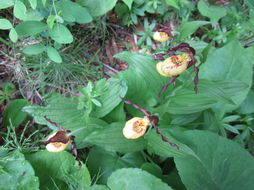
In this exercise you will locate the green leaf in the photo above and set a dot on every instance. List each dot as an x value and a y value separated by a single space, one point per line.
13 112
96 102
143 81
173 3
214 13
128 3
6 3
30 28
216 164
111 97
247 106
116 115
98 187
157 146
53 54
134 178
33 15
17 173
19 10
153 169
73 12
60 110
44 2
99 7
13 35
106 162
5 24
59 169
188 28
61 34
34 49
111 138
230 118
232 63
33 3
231 128
51 21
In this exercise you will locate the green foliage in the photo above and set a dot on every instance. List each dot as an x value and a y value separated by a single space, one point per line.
13 113
7 89
147 34
213 161
230 62
16 172
130 179
58 171
214 13
205 137
103 163
98 7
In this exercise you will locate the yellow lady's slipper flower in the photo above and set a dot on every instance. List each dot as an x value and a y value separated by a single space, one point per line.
58 141
174 65
135 127
160 36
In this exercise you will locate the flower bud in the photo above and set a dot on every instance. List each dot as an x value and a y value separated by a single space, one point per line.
174 65
135 127
160 36
57 142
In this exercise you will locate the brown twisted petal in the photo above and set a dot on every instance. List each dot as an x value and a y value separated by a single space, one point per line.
57 142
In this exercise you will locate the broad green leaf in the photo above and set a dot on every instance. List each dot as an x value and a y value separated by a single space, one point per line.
33 15
33 3
155 144
60 110
53 54
61 34
134 178
128 3
44 2
13 35
231 63
51 21
188 28
186 100
6 3
111 138
111 97
247 106
116 115
153 169
17 173
13 112
34 49
5 24
143 81
59 169
214 13
98 187
30 28
173 3
217 163
105 162
73 12
99 7
64 112
19 10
